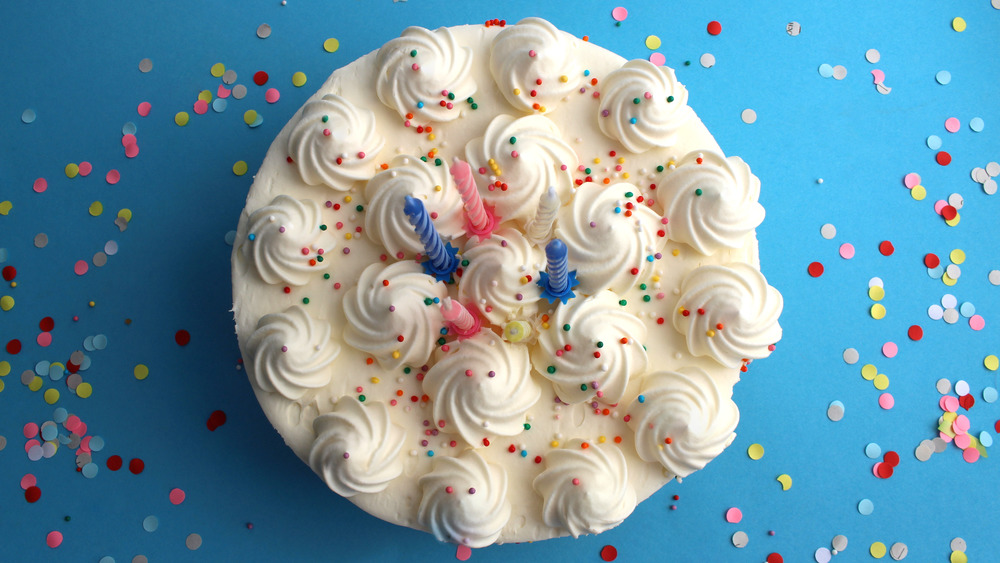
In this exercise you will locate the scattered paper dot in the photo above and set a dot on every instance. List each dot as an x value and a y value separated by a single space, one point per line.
658 59
263 31
866 507
815 269
851 356
958 24
714 28
748 116
755 451
977 124
872 55
299 79
193 541
619 14
28 116
145 65
176 496
839 72
54 539
740 539
609 553
734 515
943 77
828 231
952 125
707 60
847 251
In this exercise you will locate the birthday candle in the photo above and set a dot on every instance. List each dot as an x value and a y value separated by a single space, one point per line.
557 266
454 313
548 205
466 185
434 247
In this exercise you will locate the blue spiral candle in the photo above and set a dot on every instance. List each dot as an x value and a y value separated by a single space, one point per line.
557 266
441 258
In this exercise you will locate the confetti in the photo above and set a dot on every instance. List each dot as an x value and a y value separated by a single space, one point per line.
177 496
748 116
734 515
755 451
263 31
28 116
943 77
815 269
299 79
331 45
653 42
785 480
714 28
707 60
619 14
866 507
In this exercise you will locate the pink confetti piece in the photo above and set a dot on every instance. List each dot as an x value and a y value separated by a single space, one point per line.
977 322
619 14
132 150
963 441
658 59
463 553
176 496
847 251
40 185
952 124
44 339
878 76
28 481
912 179
272 95
886 401
970 455
889 349
129 139
200 107
144 108
113 176
949 403
734 515
30 430
80 267
54 539
86 168
875 469
223 92
939 205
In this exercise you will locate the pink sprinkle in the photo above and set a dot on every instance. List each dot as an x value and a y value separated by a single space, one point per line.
847 251
449 489
576 481
513 154
80 267
468 373
415 66
886 401
272 95
532 53
144 108
177 496
326 132
734 515
889 349
40 185
200 107
44 339
361 154
54 539
463 553
86 168
113 176
647 95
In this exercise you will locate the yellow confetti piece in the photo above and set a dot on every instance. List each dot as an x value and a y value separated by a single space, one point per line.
125 213
755 451
948 280
881 382
653 42
72 169
182 118
876 293
878 311
958 24
249 116
218 69
785 480
877 550
205 96
141 372
240 168
51 396
6 302
918 192
959 557
991 362
4 368
957 256
84 390
5 207
954 222
331 45
299 79
1 385
869 371
96 209
35 384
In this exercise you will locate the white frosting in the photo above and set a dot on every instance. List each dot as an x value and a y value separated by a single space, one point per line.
599 363
285 241
386 193
607 239
357 447
688 408
333 143
531 51
729 313
585 490
500 294
538 158
643 106
482 387
389 302
425 73
710 201
291 353
465 500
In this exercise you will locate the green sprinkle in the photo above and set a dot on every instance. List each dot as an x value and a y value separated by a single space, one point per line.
636 101
697 191
423 158
659 168
465 263
319 258
670 99
628 194
361 398
583 387
642 286
428 301
469 100
622 302
413 53
326 118
586 170
475 106
566 327
513 140
451 95
305 300
687 63
406 370
322 227
359 208
527 426
438 162
551 369
441 341
646 298
600 344
326 276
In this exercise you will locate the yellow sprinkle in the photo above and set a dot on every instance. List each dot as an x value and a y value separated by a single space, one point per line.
205 96
918 192
541 109
218 69
125 214
141 371
991 362
957 256
625 175
6 302
5 207
249 116
676 251
877 550
72 170
656 279
517 91
331 45
438 188
51 396
958 24
710 333
35 384
869 371
348 236
84 390
564 78
545 325
4 368
621 160
755 451
597 160
348 199
96 209
240 168
524 280
601 439
554 443
181 118
375 380
876 293
878 311
299 79
92 304
395 354
431 137
881 382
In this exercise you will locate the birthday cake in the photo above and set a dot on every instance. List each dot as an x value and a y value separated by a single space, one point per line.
497 283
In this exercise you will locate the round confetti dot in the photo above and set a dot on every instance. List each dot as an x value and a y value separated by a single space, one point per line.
182 337
889 349
943 158
141 371
918 192
933 142
915 332
910 180
707 60
249 116
886 248
748 116
263 31
176 496
835 411
952 125
150 523
181 118
876 293
961 387
977 322
714 28
609 552
54 539
201 107
878 311
755 451
774 558
193 541
851 356
658 59
970 455
822 555
977 124
825 70
144 108
51 396
990 394
331 45
84 390
619 14
463 552
96 209
653 42
40 185
113 177
958 24
839 72
239 91
967 309
815 269
740 539
299 79
32 494
272 95
240 168
5 207
866 507
991 362
886 401
994 277
795 28
873 450
28 116
81 267
135 466
734 515
881 382
847 251
217 70
828 231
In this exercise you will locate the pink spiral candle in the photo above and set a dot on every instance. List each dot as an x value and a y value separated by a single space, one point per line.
462 321
479 220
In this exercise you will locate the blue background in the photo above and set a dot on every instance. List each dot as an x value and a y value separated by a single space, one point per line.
75 63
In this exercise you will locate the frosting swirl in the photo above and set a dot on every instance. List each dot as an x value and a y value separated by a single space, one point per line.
690 410
608 236
291 352
482 387
386 193
333 143
464 500
284 240
710 200
643 106
357 447
389 303
493 278
729 313
529 155
585 491
530 51
592 346
423 73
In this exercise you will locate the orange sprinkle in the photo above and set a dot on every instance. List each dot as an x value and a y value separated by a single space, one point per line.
399 392
624 341
370 361
668 440
585 445
586 38
385 283
618 439
384 166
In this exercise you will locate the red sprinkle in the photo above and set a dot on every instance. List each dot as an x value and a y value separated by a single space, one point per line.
714 28
182 337
886 248
115 462
260 78
943 158
915 332
815 269
136 466
609 553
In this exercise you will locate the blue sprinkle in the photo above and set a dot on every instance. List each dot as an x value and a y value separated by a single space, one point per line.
430 453
618 210
642 398
251 236
524 453
437 299
444 330
649 258
420 105
586 73
633 121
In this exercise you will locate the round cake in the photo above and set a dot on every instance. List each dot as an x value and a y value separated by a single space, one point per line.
497 283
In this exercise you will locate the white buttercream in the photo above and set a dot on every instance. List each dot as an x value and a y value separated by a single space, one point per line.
502 294
530 51
465 500
643 106
291 353
334 142
284 240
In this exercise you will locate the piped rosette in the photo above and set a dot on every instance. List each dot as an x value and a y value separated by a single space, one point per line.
643 106
728 313
499 277
287 241
291 353
535 65
464 500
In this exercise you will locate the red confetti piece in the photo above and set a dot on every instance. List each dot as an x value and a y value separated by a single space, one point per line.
462 552
775 558
915 332
714 28
46 324
609 553
931 260
182 337
996 426
136 466
943 158
886 248
884 470
815 269
891 458
215 420
948 212
114 462
32 494
260 78
9 273
966 401
14 346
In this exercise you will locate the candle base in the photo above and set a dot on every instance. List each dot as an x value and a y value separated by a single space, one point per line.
473 330
444 273
552 296
483 232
